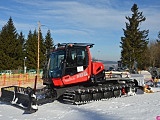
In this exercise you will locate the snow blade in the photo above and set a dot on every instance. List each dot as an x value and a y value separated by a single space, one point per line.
20 96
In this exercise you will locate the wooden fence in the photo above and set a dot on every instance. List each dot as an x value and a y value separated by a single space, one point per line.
19 80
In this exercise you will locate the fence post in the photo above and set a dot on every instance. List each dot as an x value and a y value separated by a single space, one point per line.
26 77
19 81
4 79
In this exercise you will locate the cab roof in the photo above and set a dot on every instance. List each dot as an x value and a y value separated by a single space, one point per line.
75 45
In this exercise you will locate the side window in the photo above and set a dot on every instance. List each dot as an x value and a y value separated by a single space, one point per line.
71 58
81 61
75 59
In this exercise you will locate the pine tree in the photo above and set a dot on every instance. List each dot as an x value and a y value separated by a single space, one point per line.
21 49
1 53
42 50
157 64
48 41
31 50
134 43
9 46
14 48
31 47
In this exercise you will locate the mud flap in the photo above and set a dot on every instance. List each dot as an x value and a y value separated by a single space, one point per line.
20 96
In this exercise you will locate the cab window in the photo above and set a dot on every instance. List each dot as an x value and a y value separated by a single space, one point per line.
76 58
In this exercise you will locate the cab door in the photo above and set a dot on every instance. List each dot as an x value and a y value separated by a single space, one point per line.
76 66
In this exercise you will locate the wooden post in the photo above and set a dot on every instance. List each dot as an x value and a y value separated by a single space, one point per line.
35 83
38 46
4 79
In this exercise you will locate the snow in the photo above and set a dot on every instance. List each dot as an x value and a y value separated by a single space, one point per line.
138 107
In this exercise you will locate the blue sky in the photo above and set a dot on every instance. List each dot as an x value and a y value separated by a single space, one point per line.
90 21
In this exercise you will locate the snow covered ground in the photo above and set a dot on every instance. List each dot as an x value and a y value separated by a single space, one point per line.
139 107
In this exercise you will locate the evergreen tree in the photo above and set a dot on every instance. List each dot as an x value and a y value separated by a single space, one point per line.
21 49
14 48
1 53
134 43
9 49
31 50
31 47
158 51
48 41
42 50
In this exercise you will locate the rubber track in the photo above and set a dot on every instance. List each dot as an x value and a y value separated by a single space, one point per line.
84 95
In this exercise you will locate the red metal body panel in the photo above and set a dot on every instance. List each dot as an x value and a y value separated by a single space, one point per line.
57 82
97 67
67 80
80 77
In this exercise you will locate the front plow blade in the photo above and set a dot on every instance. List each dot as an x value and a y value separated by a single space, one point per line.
20 96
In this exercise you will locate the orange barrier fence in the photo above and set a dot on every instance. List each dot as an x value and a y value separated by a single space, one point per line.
19 80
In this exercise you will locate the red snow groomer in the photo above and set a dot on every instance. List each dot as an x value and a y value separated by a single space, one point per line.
71 76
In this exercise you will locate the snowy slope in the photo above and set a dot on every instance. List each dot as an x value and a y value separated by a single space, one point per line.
138 107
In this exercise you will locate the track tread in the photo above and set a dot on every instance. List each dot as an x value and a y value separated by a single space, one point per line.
96 93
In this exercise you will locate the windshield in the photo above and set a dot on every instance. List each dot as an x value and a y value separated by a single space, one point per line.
56 64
